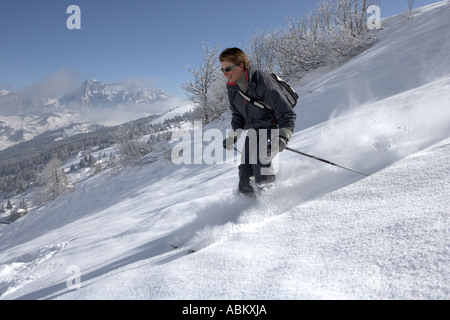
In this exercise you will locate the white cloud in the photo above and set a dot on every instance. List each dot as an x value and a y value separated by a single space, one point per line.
54 85
124 113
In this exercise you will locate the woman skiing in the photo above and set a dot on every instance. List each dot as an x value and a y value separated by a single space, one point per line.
270 126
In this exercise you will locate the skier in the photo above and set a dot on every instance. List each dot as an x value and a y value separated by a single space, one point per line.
272 125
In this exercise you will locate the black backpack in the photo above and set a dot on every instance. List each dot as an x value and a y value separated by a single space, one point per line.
288 91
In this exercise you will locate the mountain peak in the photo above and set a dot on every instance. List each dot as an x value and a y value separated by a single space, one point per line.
89 82
94 93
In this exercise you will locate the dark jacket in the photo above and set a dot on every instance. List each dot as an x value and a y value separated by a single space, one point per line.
261 86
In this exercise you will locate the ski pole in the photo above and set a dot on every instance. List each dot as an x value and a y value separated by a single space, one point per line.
326 161
316 158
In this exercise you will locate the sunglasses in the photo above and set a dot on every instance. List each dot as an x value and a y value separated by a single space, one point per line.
227 69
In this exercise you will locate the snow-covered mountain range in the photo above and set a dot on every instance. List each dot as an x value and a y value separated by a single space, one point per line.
93 93
24 116
320 233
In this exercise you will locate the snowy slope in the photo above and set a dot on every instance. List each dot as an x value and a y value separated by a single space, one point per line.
321 233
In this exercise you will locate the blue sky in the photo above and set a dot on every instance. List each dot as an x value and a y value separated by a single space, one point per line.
153 41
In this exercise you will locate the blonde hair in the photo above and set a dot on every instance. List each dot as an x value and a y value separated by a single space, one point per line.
235 56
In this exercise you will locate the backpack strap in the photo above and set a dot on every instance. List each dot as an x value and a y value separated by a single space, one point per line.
258 103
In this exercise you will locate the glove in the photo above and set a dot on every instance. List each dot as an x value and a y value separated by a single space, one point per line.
229 142
285 135
282 144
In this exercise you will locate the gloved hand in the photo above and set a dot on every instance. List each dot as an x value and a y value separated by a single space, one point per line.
282 144
229 142
285 135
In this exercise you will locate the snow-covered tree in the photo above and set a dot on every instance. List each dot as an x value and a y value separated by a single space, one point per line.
23 204
198 89
330 34
130 144
19 211
218 97
53 180
262 50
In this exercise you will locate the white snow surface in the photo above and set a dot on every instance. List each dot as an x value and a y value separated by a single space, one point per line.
320 233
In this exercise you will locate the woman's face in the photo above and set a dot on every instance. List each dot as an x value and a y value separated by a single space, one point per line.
231 71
